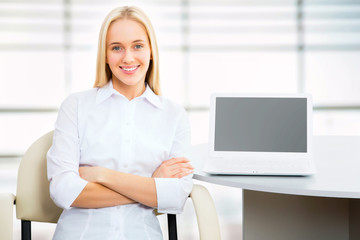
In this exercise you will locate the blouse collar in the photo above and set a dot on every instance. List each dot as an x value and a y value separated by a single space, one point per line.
108 90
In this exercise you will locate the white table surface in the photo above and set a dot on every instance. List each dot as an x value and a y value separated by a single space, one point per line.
337 160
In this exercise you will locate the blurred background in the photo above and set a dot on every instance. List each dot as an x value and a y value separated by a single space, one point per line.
48 50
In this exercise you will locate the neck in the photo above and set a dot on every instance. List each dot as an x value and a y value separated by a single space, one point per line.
130 92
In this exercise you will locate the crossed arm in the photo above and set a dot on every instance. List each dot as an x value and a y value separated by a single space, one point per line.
108 188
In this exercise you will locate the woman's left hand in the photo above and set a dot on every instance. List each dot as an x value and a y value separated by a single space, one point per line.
173 168
91 174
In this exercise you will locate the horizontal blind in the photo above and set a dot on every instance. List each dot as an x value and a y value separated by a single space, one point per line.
48 50
332 53
241 46
332 25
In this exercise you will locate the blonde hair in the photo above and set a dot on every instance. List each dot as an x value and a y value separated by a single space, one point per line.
103 72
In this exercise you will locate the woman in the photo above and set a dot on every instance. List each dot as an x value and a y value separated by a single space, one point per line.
119 149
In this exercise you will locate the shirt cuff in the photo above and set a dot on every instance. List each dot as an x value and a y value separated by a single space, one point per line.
171 194
65 188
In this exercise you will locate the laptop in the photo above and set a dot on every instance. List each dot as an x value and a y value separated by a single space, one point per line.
260 134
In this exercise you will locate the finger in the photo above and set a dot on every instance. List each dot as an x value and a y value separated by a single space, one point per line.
176 171
183 174
181 171
173 161
185 165
180 166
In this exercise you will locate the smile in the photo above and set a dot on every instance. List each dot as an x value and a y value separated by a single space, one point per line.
130 68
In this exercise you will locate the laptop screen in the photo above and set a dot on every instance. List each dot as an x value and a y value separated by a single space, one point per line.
261 124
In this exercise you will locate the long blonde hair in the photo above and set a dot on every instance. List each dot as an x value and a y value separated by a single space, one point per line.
103 72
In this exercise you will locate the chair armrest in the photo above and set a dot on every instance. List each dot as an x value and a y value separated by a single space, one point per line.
206 215
6 216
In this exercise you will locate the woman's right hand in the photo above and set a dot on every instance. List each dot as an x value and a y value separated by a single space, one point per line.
174 168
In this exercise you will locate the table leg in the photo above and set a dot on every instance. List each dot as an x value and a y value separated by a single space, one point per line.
283 217
354 227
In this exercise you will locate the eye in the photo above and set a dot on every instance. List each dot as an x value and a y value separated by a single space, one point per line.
116 48
138 46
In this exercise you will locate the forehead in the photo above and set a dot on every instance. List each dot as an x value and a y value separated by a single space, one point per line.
125 31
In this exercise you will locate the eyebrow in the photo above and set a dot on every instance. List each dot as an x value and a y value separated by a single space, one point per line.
135 41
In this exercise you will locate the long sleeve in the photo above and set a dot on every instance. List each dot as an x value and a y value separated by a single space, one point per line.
63 156
173 192
101 127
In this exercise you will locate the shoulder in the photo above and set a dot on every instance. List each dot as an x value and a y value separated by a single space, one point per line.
177 117
174 112
74 99
172 107
83 95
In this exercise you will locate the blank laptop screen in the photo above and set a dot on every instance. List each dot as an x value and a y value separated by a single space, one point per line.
261 124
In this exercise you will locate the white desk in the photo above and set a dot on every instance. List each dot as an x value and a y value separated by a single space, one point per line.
323 206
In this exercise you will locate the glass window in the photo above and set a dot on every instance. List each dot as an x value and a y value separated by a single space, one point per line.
48 50
20 130
31 78
252 72
332 77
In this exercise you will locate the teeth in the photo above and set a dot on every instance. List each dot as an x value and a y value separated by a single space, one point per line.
129 69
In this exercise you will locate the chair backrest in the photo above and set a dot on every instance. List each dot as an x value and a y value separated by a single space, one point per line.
33 202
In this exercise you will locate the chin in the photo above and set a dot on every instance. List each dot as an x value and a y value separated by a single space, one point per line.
131 83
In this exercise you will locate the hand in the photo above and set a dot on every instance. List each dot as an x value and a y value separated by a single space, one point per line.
91 174
173 168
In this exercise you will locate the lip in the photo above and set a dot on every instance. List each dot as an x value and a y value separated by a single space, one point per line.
135 68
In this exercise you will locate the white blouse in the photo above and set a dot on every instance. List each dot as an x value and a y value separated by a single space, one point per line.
101 127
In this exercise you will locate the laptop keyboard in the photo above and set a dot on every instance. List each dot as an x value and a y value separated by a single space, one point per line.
291 165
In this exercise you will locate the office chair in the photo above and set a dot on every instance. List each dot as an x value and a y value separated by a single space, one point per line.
33 202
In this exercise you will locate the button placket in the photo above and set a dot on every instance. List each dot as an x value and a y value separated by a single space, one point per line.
128 133
125 134
130 125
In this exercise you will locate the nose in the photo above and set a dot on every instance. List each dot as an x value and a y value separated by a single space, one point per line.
128 57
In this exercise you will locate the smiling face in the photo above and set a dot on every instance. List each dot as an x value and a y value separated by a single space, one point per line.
128 55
